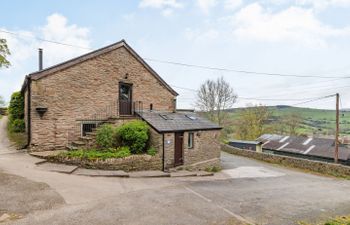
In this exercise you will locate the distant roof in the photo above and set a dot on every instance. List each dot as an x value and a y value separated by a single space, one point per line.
50 70
245 142
320 147
179 121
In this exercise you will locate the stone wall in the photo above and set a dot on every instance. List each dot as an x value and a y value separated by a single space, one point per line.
206 147
130 163
315 166
169 148
205 151
80 91
156 141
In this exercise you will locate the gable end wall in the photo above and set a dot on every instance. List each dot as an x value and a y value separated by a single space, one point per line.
87 88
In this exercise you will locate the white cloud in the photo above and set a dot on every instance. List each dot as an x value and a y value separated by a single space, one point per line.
57 29
24 49
292 24
160 4
166 6
232 4
206 5
323 4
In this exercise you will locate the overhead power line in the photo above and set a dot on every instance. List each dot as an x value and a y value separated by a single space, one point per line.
186 64
45 40
257 98
315 99
244 71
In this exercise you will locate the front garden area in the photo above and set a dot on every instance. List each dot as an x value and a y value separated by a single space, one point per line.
126 147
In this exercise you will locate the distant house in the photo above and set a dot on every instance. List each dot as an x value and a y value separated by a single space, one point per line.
304 147
68 101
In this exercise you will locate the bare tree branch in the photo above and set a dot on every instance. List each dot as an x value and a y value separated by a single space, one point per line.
214 97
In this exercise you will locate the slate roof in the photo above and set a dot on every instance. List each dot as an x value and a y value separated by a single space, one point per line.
51 70
179 121
319 147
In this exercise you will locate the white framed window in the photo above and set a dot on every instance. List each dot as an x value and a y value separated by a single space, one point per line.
190 140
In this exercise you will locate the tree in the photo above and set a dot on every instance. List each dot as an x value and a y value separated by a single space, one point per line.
214 96
4 52
253 122
291 122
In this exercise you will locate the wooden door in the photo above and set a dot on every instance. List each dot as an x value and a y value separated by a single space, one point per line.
178 155
125 99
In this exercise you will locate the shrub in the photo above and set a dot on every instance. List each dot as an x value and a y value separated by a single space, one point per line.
16 113
213 169
134 134
152 151
16 107
93 154
105 136
17 125
123 152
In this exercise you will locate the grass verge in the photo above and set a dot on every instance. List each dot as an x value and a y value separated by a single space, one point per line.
19 140
340 220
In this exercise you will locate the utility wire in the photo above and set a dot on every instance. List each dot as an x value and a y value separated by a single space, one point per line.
45 40
243 71
312 100
189 65
250 98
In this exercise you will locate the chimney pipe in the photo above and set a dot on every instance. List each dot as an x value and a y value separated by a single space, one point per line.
40 59
174 105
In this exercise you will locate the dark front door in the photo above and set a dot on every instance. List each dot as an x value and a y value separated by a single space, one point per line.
125 99
178 157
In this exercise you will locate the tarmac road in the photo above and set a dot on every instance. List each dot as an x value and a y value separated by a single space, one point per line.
245 191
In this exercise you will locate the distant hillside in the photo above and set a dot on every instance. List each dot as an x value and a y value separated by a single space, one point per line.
315 121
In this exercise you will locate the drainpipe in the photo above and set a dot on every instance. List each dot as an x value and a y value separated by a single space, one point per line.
174 105
29 109
163 161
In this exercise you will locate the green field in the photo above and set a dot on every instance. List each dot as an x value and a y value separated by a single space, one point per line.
314 121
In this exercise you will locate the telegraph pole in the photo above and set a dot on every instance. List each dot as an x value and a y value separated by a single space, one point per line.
336 142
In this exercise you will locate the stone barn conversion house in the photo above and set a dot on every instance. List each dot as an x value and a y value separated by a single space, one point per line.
66 102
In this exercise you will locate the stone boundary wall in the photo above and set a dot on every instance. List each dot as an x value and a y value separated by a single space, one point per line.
203 165
130 163
305 164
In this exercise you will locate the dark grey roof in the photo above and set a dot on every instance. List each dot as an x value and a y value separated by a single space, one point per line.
179 121
312 146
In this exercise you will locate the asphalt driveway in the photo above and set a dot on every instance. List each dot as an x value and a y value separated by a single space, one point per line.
245 191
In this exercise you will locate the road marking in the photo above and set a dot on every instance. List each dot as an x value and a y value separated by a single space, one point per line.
238 217
199 195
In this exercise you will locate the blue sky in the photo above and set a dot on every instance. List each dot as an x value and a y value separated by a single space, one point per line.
308 37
